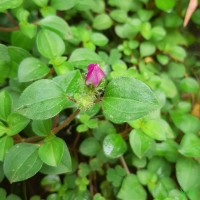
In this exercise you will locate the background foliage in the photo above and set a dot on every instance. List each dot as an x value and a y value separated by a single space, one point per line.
135 136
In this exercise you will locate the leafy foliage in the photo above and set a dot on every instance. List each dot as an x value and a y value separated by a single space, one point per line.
99 100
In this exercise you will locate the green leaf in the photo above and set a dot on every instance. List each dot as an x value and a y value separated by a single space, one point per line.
13 197
159 166
128 30
41 3
140 142
22 162
42 100
63 5
3 129
81 128
162 59
177 53
145 15
20 40
114 146
102 22
119 15
165 6
189 85
71 82
3 194
6 143
49 44
42 127
17 55
7 4
176 70
65 165
147 49
99 39
168 86
5 105
190 146
188 173
82 57
51 151
131 189
90 147
167 149
16 123
186 123
115 176
127 99
29 30
157 129
146 30
57 25
158 33
31 69
104 128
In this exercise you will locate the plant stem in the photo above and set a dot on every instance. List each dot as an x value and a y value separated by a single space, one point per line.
11 19
5 29
55 121
24 190
54 131
66 122
123 162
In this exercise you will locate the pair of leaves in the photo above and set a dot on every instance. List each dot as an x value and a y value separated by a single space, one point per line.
13 122
45 98
24 161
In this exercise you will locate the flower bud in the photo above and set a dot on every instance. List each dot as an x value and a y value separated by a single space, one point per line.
94 75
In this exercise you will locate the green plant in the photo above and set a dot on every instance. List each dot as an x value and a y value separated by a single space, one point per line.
99 100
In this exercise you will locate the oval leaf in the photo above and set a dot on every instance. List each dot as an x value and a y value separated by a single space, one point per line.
42 127
31 69
65 165
7 4
188 173
90 147
114 146
42 100
49 44
5 105
51 151
82 57
128 99
131 189
6 143
140 142
190 146
16 123
57 25
22 162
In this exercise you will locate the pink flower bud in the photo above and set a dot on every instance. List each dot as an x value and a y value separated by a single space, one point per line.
94 75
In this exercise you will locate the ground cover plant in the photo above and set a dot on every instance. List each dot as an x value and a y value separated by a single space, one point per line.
99 100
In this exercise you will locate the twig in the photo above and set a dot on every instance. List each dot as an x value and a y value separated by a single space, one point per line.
5 29
91 185
11 18
32 139
66 122
54 131
76 141
71 99
55 121
123 162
